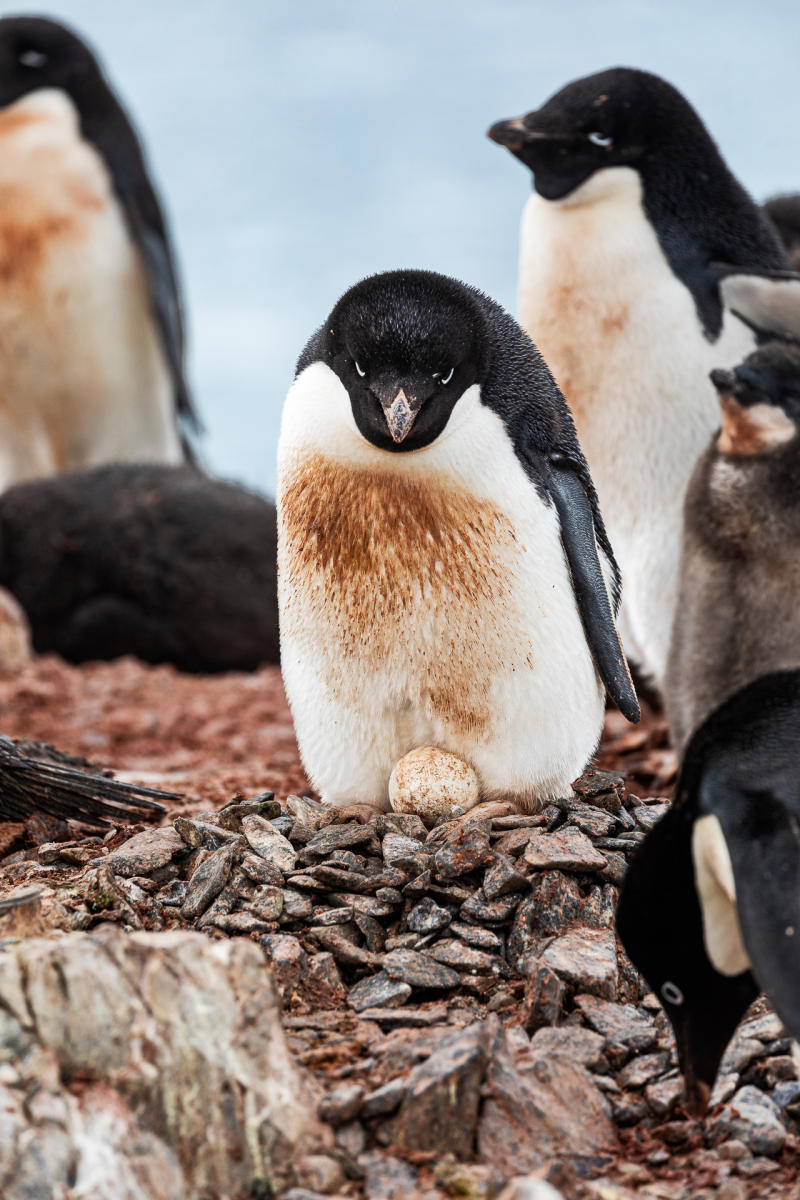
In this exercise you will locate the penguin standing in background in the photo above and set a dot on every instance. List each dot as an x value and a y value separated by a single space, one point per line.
633 208
91 331
444 574
737 615
784 213
710 907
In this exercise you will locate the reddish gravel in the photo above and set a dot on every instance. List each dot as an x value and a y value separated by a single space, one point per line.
207 736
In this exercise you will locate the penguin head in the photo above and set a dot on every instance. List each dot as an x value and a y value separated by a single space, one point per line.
760 400
615 118
660 921
38 53
406 345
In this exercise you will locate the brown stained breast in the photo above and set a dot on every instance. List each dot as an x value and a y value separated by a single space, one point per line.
23 243
398 574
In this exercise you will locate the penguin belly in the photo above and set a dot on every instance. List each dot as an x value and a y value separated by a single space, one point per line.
621 335
425 599
83 377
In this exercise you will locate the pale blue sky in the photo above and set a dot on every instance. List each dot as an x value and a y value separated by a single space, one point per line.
299 146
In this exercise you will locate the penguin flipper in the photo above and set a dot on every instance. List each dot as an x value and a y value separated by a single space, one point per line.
767 301
762 836
578 537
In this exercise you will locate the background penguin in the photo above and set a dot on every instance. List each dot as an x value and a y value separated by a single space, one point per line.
710 907
439 550
633 204
784 213
91 333
737 615
151 560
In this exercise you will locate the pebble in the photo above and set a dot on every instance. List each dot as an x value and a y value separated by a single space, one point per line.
342 837
623 1024
754 1119
207 882
419 969
493 912
428 917
474 935
342 1104
502 877
465 849
407 853
384 1099
453 953
378 991
269 844
664 1094
146 852
343 949
643 1069
583 1045
259 871
586 959
567 849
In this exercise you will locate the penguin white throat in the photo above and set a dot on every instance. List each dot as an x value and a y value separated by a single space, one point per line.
620 333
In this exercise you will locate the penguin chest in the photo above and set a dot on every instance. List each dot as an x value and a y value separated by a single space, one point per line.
82 373
402 578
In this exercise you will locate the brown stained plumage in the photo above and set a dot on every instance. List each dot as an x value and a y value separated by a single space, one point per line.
24 243
754 429
385 572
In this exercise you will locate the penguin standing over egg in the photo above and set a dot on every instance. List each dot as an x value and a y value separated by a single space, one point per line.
91 332
633 209
444 577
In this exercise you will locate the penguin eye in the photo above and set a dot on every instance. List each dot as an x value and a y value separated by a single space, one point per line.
600 139
359 371
443 379
33 58
672 993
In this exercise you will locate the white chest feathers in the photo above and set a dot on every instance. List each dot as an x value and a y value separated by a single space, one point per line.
425 599
716 892
83 378
621 334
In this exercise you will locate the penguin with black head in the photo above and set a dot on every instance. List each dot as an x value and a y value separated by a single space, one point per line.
91 329
737 615
444 573
710 907
784 213
633 207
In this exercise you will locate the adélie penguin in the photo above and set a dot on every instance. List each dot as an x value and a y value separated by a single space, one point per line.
710 907
737 615
633 205
91 330
444 574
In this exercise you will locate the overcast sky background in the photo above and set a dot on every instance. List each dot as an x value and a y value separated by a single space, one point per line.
299 146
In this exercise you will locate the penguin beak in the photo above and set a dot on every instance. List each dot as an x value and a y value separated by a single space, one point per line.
515 133
400 413
698 1088
723 381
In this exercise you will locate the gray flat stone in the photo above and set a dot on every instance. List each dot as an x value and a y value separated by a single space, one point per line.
378 991
754 1119
427 916
567 850
587 959
623 1024
418 969
268 843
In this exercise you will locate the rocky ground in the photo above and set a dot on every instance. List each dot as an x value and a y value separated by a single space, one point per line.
455 997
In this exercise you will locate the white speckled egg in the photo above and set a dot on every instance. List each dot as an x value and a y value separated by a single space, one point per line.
433 783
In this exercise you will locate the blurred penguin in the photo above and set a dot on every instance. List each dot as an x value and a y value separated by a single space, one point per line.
91 330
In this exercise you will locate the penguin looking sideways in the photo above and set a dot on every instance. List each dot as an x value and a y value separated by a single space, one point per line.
444 574
91 330
633 208
710 907
737 615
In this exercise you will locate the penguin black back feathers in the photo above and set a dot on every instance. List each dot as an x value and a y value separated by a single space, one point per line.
419 397
710 908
